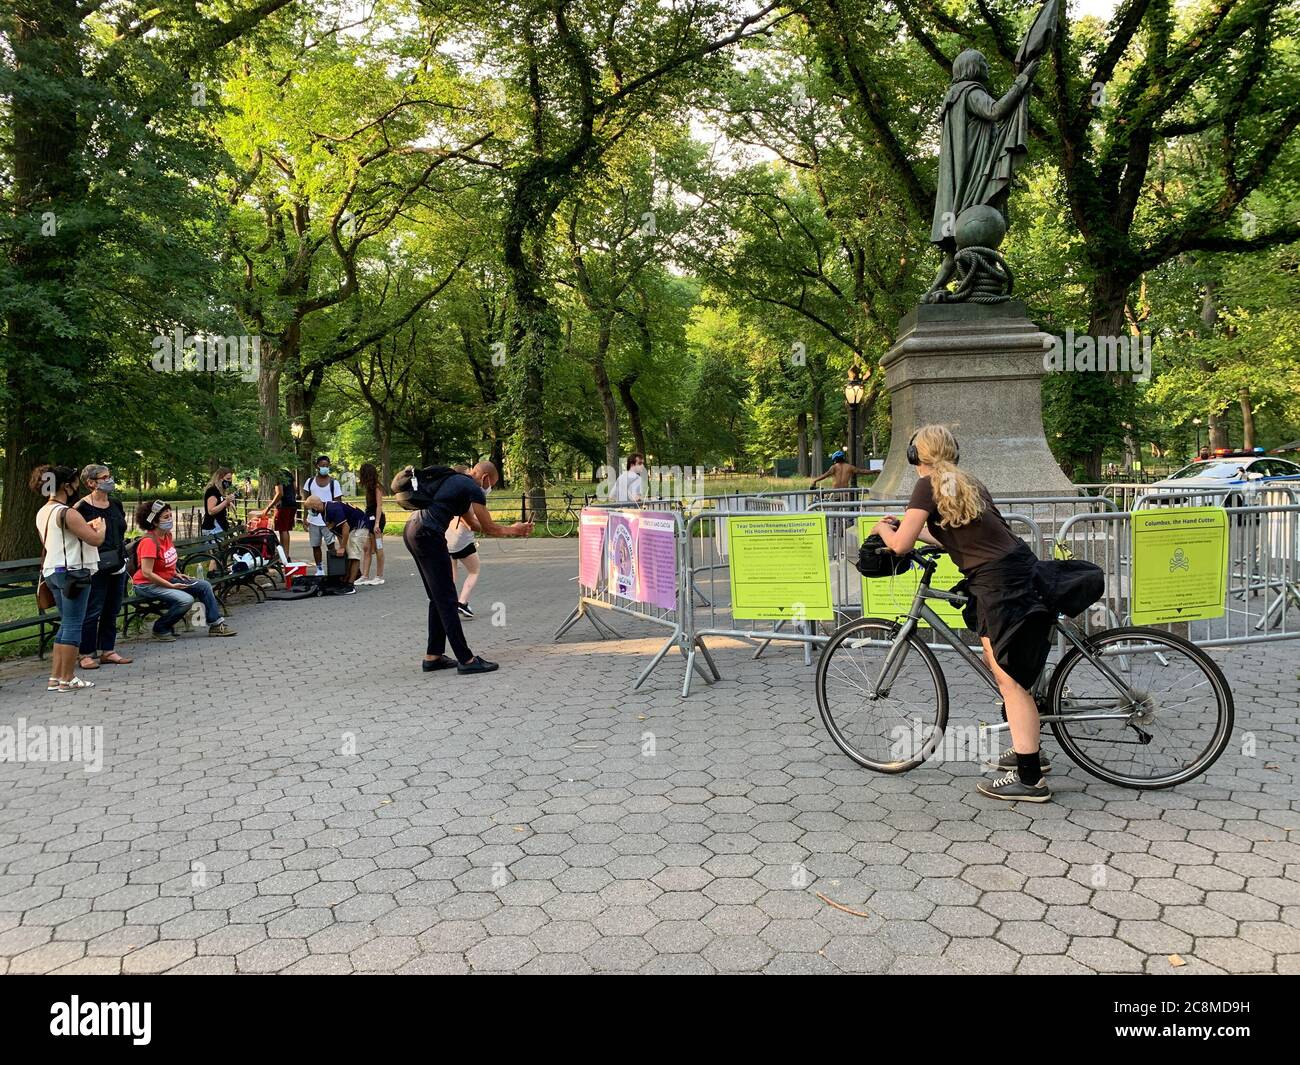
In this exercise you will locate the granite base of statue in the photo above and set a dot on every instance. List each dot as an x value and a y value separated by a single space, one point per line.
976 368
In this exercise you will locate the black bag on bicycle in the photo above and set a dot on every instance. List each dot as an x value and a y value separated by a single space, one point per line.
876 560
1069 586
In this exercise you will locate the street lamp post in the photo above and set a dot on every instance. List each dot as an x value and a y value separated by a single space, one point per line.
1197 422
296 430
853 393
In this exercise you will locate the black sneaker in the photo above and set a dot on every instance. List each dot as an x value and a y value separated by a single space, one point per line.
438 663
477 664
464 609
1007 762
1010 788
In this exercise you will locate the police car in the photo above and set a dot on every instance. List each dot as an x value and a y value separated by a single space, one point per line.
1226 470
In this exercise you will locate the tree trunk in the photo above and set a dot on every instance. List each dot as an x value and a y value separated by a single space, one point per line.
1218 430
633 413
803 444
1106 319
1247 419
818 448
268 402
606 394
46 367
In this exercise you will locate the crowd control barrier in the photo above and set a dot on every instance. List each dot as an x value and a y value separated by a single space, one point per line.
762 574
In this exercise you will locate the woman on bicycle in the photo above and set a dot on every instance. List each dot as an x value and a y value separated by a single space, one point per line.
953 510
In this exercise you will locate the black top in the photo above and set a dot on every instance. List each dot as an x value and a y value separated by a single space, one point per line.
337 513
452 499
114 522
289 493
213 521
985 539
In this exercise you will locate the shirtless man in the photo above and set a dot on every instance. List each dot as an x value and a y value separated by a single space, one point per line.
841 472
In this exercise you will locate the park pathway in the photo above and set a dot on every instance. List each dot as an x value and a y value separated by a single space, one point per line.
302 799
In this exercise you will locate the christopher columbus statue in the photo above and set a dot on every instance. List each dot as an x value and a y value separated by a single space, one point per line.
982 144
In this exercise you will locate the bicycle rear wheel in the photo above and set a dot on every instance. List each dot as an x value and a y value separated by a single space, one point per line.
891 731
1180 708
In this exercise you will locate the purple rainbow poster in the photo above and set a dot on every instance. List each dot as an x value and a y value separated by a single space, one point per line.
641 557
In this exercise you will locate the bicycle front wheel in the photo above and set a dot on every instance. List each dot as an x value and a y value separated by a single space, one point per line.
561 523
891 727
1177 708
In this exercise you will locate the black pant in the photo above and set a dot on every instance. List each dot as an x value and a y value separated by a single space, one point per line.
428 546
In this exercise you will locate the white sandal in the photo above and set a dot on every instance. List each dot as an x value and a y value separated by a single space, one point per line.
53 685
75 684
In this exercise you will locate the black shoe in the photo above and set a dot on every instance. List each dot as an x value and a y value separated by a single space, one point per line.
464 609
1007 762
477 664
438 663
1010 788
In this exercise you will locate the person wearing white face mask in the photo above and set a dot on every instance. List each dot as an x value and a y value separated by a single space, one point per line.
108 586
327 490
630 485
158 578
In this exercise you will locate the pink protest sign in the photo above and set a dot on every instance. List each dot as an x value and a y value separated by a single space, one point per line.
591 546
641 557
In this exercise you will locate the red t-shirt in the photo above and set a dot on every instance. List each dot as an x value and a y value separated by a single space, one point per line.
164 555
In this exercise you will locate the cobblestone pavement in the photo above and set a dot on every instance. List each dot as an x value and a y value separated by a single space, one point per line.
303 799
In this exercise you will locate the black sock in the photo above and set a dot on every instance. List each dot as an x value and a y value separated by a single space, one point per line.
1028 768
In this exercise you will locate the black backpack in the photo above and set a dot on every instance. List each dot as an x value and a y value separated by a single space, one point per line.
414 489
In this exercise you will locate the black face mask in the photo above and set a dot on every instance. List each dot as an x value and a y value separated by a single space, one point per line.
226 483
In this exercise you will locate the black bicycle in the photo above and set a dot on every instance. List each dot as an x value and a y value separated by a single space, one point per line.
563 521
1133 706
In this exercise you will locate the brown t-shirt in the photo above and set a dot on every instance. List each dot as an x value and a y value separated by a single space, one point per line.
983 540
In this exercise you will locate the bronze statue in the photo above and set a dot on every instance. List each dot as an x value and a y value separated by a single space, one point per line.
982 143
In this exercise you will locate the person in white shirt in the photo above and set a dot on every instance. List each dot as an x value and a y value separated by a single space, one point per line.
325 488
630 485
69 558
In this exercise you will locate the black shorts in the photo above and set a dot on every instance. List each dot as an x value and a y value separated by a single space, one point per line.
465 552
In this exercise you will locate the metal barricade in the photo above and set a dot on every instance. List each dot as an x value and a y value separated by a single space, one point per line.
1047 513
706 598
1247 495
603 597
1262 600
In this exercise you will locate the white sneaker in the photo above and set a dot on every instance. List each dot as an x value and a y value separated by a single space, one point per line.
363 582
320 571
377 580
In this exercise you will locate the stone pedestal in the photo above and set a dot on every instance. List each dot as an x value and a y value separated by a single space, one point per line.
976 369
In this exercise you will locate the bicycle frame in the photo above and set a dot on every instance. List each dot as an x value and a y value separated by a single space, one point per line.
921 612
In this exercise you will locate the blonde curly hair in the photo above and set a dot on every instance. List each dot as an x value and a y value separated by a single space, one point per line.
956 494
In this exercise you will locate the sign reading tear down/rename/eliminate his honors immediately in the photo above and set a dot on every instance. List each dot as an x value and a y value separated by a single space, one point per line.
1180 564
779 568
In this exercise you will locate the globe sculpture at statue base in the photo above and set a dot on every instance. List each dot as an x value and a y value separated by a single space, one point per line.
976 368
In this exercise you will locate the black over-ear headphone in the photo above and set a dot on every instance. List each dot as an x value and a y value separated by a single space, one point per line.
914 459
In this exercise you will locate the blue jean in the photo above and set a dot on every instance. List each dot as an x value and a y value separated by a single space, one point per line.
72 612
99 629
178 602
